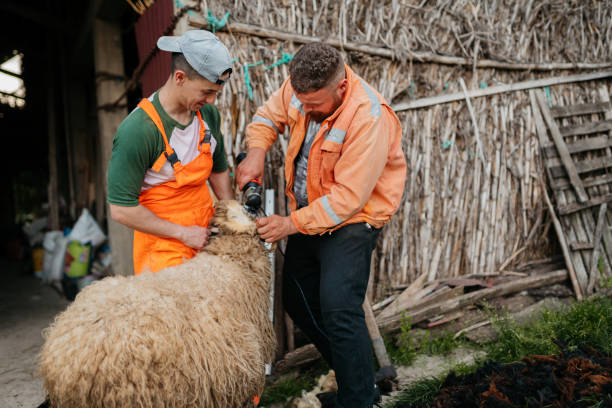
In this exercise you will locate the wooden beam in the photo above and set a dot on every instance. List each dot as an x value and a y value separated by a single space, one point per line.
381 51
573 207
586 128
52 188
580 246
498 89
108 58
561 148
583 166
582 109
9 73
593 272
592 143
564 184
300 356
393 323
12 95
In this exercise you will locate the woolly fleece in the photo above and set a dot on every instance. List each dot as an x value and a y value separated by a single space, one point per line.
193 335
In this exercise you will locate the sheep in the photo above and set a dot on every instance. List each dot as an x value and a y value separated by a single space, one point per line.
193 335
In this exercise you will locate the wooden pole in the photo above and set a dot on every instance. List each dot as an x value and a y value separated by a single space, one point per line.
593 272
66 111
493 90
52 193
563 244
379 51
108 58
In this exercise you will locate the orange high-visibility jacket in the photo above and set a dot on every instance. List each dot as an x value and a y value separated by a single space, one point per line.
356 167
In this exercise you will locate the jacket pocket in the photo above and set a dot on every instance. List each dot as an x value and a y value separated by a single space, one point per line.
330 153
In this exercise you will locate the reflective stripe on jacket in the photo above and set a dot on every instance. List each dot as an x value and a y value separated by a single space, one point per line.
356 167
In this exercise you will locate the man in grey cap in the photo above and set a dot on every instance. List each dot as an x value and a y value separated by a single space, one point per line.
166 150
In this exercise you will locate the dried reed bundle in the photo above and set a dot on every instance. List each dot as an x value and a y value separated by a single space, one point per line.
473 201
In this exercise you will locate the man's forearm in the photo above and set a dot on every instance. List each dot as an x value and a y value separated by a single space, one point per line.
144 220
221 185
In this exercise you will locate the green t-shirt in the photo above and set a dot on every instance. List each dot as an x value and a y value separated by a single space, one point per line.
138 144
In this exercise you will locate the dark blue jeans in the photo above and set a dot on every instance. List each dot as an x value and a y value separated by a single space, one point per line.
324 284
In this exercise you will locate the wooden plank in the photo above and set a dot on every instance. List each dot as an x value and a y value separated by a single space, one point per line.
573 207
580 246
300 356
393 323
586 128
563 183
541 131
406 296
493 90
583 166
561 148
52 187
593 272
108 58
582 109
593 143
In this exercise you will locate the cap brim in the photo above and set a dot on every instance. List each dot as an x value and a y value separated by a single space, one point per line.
169 43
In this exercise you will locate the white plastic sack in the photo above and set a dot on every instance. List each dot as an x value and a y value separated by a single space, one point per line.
87 230
54 244
34 230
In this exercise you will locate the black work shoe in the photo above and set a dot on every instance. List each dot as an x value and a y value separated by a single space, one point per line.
328 399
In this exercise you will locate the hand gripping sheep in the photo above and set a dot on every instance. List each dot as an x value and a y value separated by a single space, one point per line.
193 335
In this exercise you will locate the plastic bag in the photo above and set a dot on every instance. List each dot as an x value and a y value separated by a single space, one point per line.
86 230
54 244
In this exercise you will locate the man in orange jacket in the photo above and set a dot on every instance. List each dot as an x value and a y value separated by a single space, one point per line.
345 173
166 150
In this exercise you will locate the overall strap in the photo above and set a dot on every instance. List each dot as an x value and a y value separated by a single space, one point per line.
169 153
205 135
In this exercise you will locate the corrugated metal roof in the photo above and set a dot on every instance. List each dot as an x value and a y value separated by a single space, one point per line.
150 26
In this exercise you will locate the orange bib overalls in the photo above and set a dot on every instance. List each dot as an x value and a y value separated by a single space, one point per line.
185 200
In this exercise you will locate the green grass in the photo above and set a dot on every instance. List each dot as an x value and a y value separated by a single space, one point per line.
407 345
286 387
440 345
588 322
420 394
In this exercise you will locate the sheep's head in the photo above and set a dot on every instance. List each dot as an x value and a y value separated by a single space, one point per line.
232 218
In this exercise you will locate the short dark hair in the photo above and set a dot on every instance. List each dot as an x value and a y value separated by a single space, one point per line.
180 63
315 66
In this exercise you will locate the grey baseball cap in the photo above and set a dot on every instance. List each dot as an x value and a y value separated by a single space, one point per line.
202 50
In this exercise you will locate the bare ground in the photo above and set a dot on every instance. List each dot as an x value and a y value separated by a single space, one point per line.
26 308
